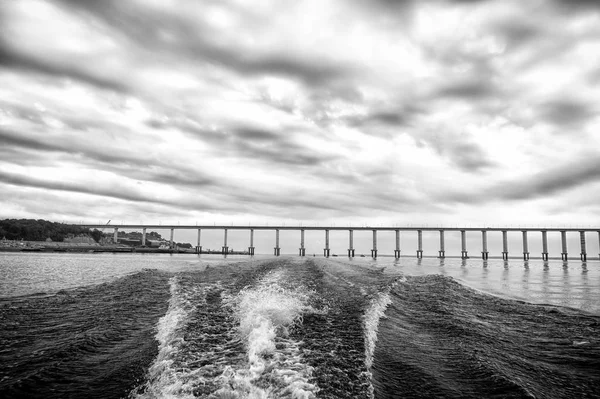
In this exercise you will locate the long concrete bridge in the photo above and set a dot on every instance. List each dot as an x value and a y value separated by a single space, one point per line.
526 232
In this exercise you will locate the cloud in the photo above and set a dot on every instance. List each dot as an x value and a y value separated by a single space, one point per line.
12 58
566 112
540 185
469 89
585 170
31 181
174 32
399 109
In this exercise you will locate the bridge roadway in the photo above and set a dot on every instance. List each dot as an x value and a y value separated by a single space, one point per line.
419 229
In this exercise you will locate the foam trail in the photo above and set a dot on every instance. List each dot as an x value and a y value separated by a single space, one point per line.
164 380
274 366
373 314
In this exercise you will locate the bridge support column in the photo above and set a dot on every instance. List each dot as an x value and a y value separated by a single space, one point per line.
144 237
442 251
326 250
504 245
171 239
599 242
397 250
302 249
225 249
351 243
525 246
583 250
116 236
463 243
374 250
198 246
420 244
563 238
277 250
544 245
251 247
484 249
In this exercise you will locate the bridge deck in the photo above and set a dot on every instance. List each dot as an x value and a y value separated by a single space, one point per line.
346 228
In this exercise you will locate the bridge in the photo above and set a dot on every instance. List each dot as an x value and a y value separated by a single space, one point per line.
525 231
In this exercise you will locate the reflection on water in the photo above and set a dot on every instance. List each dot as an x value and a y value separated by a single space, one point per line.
574 284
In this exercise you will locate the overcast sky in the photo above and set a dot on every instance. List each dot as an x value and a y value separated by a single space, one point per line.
379 111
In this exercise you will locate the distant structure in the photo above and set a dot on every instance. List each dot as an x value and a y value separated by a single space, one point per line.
583 232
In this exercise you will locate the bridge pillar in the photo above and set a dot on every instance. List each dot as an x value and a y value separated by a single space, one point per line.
397 250
351 243
544 245
144 237
251 247
420 244
326 250
198 246
374 250
463 243
583 250
302 249
442 251
277 250
599 242
484 249
504 245
525 246
563 238
171 239
116 236
225 249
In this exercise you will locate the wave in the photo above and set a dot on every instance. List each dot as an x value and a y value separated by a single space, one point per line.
165 379
217 343
443 339
275 368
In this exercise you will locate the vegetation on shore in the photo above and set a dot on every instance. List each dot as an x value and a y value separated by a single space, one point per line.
41 230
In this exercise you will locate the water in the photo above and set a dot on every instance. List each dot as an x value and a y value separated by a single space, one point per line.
183 326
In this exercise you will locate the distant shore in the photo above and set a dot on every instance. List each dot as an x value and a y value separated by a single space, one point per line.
43 246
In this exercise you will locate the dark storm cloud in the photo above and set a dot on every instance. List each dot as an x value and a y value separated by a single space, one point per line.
13 139
461 150
257 144
251 134
409 3
192 40
137 166
566 112
469 157
518 32
31 181
581 172
12 58
71 147
578 4
392 118
544 184
282 152
471 89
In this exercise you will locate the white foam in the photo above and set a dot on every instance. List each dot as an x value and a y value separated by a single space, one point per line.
265 313
272 365
164 380
373 314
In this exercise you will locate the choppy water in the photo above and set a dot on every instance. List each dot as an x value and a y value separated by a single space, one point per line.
111 326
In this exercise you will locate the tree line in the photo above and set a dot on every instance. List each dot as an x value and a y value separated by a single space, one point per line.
40 230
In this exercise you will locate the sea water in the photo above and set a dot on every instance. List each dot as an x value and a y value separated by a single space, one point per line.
185 326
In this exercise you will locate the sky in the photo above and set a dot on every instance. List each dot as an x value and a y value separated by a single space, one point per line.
379 112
